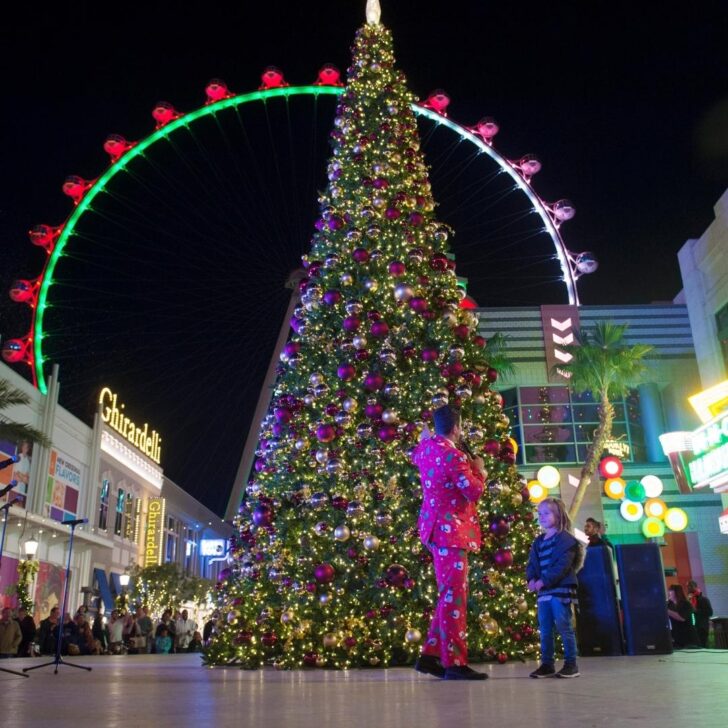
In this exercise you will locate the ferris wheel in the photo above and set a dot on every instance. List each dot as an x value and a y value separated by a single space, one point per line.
155 167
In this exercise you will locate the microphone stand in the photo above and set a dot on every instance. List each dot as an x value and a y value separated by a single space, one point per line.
6 508
58 659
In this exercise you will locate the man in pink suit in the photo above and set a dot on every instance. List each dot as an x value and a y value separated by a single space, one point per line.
452 483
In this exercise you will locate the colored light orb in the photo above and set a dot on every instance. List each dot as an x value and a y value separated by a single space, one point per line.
655 508
676 519
610 467
653 528
631 511
536 492
548 476
614 488
635 491
652 485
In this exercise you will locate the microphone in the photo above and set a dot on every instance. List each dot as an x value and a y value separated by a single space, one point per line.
8 487
466 449
9 461
75 522
7 505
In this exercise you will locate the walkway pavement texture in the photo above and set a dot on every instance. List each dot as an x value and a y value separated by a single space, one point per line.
685 688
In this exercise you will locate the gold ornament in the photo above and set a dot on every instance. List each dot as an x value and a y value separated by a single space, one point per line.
371 543
413 636
330 640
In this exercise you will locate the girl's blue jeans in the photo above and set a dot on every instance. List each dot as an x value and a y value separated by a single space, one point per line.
555 615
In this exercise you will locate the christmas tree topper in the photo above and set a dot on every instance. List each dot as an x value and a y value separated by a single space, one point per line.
374 12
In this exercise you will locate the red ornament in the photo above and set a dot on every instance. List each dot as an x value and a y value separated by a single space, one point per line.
397 268
480 341
325 433
502 658
438 262
324 573
461 331
350 642
500 528
430 353
379 329
373 381
491 374
310 659
269 638
360 255
374 411
387 433
346 372
492 447
503 558
351 323
396 575
392 213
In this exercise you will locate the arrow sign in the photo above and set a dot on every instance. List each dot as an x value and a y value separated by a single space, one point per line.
573 480
563 340
561 325
563 356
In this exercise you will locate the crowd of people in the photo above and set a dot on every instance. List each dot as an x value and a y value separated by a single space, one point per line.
124 632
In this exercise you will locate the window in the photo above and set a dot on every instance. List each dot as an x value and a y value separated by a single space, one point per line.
104 503
553 425
721 324
129 517
172 536
119 519
190 551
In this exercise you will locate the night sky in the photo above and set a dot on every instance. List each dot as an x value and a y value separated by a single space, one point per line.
172 292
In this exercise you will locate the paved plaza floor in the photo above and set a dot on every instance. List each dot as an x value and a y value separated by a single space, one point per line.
685 688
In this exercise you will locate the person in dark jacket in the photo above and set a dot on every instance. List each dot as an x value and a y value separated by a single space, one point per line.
28 631
48 632
703 612
553 562
682 618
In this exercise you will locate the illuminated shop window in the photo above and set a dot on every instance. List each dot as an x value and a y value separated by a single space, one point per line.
119 515
104 503
552 425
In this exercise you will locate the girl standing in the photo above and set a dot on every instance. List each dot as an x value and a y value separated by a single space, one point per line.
554 559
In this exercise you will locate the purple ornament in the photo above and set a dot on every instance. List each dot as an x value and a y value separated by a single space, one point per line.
373 382
379 329
263 515
324 573
396 575
346 372
387 433
397 268
282 414
351 323
416 218
392 213
325 433
500 527
418 304
332 297
292 348
360 255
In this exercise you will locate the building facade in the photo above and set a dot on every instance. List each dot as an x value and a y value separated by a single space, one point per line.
109 475
554 426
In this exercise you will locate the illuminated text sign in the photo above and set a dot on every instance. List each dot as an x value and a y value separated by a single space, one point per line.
150 443
155 532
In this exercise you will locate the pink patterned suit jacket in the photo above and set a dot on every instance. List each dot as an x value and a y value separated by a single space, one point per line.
451 488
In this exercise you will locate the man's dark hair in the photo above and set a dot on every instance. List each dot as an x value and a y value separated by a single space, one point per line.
594 521
445 418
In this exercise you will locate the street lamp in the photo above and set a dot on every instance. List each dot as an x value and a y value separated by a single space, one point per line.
30 547
124 580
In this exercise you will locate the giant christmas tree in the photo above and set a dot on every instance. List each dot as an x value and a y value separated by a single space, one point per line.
328 570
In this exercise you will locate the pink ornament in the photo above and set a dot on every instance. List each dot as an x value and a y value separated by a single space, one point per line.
392 213
492 447
416 218
282 414
418 304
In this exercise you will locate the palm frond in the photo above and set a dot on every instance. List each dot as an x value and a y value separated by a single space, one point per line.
17 432
10 396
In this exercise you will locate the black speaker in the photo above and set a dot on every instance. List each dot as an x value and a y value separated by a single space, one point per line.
598 626
644 601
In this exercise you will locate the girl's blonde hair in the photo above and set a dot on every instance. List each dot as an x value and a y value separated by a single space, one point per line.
558 508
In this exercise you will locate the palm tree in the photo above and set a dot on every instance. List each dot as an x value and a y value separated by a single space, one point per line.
14 431
603 365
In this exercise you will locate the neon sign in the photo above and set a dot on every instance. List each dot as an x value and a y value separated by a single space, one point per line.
155 531
150 443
